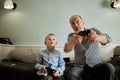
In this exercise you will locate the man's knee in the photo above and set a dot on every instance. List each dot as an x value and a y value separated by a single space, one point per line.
74 74
104 71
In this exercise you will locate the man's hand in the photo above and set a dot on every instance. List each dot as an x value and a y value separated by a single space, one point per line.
77 39
93 36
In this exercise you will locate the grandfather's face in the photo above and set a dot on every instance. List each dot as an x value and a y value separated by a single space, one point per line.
77 24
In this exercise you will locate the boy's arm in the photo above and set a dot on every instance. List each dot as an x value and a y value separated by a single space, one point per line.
61 65
38 64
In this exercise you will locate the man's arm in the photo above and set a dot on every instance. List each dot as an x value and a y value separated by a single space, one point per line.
99 37
72 41
69 46
102 39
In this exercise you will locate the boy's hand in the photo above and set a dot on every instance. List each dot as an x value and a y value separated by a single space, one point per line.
55 74
43 69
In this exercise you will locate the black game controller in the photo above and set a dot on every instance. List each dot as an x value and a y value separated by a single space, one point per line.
84 33
50 71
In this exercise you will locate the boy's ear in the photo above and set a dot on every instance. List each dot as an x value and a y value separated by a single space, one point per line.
45 43
56 43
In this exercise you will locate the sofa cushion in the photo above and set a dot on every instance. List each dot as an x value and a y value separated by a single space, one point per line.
107 52
117 51
25 54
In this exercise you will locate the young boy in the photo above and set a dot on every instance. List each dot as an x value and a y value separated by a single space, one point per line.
50 63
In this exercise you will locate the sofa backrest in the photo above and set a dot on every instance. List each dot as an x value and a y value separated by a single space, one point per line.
30 53
107 52
5 50
25 53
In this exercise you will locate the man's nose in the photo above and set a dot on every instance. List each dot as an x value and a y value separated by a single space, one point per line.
75 24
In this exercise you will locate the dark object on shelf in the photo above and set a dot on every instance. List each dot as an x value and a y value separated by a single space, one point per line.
7 63
5 41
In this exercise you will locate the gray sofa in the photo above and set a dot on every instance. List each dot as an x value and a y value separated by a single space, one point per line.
17 62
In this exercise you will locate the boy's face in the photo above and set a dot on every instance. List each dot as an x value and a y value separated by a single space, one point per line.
50 41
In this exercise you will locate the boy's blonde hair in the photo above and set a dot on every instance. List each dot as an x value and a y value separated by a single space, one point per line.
50 34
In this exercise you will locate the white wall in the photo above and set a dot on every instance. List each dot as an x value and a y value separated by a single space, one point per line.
33 19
